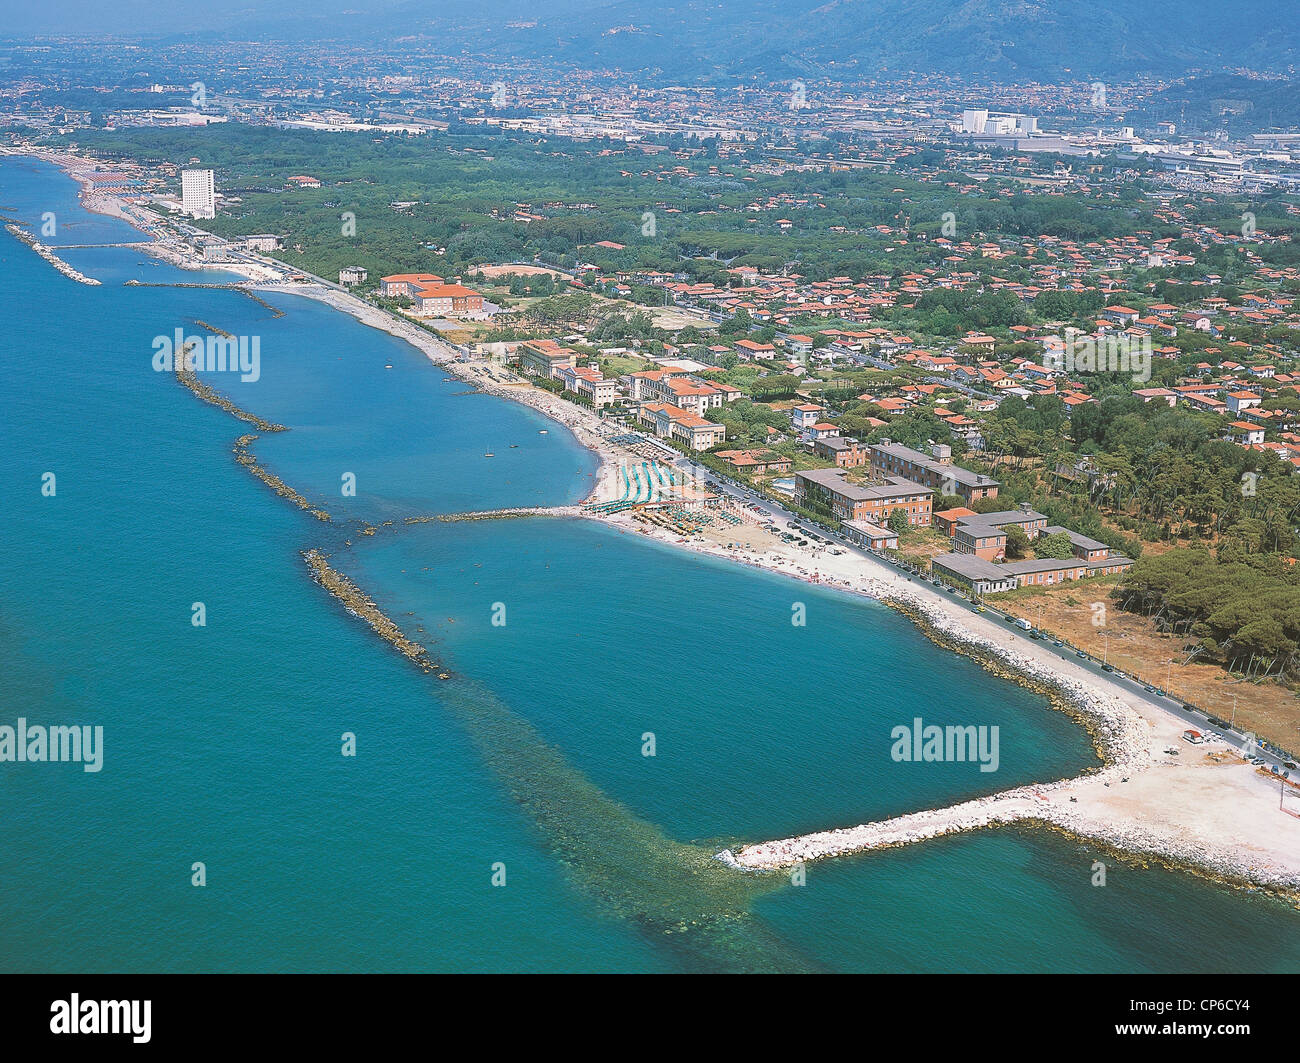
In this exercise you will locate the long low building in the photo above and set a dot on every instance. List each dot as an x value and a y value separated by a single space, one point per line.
982 576
872 536
872 503
756 462
974 573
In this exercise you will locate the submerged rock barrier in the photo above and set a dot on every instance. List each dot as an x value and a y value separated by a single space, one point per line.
213 328
275 310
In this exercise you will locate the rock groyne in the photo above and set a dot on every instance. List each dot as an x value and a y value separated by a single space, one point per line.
359 604
50 256
244 456
190 379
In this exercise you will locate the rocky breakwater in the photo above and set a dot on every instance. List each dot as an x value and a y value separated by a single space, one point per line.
359 604
1023 803
187 377
50 256
498 514
243 455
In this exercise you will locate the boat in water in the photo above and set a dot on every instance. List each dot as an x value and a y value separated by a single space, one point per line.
541 431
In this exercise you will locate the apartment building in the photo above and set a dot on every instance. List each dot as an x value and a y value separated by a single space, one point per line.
405 284
985 534
845 451
874 503
934 470
672 422
589 382
447 300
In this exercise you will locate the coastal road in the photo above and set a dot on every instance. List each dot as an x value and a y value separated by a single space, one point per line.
1238 741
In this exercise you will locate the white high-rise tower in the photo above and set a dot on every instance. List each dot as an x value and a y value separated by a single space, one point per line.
199 193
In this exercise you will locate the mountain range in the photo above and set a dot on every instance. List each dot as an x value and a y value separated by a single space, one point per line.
730 40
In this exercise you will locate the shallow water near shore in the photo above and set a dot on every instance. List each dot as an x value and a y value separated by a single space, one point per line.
222 743
773 728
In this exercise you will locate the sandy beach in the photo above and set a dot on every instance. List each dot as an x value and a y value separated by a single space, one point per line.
1204 809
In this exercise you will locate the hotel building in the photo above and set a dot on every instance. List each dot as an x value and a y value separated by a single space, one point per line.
199 193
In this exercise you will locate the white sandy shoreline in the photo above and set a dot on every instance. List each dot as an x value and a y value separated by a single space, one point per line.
1222 818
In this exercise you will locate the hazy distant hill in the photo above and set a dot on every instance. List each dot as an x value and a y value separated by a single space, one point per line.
1235 104
762 39
776 38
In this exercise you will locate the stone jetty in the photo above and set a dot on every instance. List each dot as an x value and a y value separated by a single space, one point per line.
359 604
188 378
1026 802
244 456
498 514
50 256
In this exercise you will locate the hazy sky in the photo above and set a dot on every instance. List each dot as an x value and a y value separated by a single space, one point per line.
172 16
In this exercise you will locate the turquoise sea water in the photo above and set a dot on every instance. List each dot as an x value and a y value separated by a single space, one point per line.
222 743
